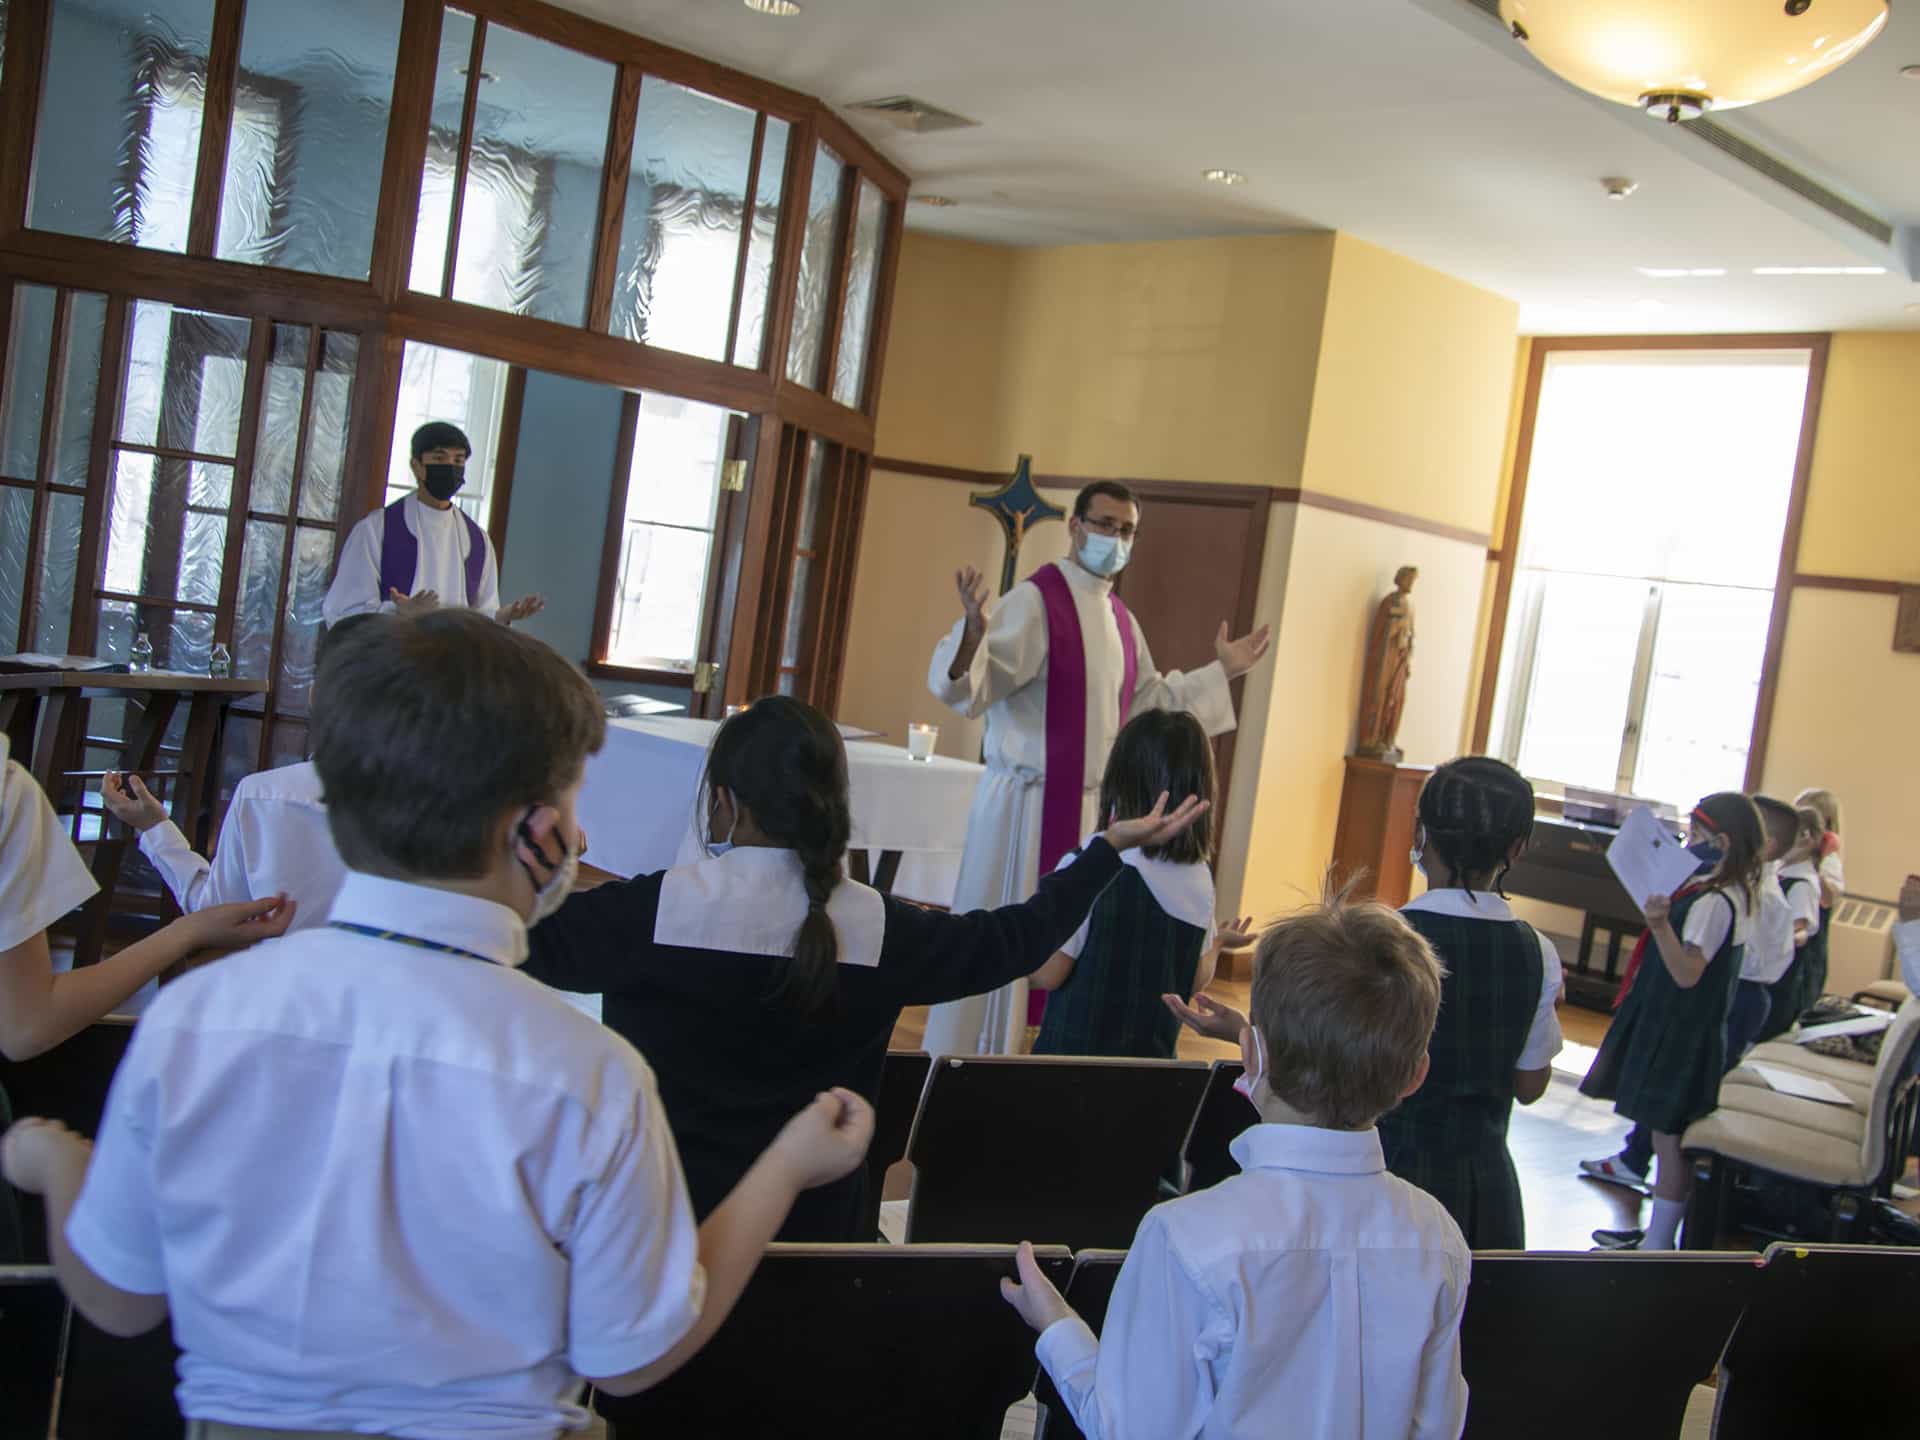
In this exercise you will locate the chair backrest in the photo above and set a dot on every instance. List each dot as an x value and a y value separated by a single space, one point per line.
860 1342
1065 1151
1826 1346
903 1076
1652 1325
115 1389
68 1083
33 1317
1223 1114
1893 1074
1089 1291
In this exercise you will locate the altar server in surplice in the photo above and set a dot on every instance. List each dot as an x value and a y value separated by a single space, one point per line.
1057 669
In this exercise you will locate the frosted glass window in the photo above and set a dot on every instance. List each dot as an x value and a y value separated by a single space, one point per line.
818 254
469 391
186 372
16 529
530 211
750 341
323 483
443 149
279 435
1656 504
309 134
680 234
24 398
863 283
673 497
118 142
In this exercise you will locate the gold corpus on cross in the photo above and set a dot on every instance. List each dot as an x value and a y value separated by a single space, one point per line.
1016 505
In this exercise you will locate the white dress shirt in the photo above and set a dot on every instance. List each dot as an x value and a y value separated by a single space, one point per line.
1906 942
274 841
442 568
1313 1296
1770 947
1804 899
389 1189
42 876
1544 1040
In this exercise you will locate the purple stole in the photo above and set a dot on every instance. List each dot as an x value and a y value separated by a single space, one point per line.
400 554
1062 791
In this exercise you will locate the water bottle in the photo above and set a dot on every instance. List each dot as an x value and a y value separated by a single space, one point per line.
142 660
220 663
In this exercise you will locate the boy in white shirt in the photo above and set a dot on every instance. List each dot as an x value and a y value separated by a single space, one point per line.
1313 1295
381 1182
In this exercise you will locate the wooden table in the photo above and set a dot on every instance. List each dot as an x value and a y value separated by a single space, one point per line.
43 714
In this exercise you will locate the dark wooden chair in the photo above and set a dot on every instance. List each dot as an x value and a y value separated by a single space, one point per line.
859 1342
33 1317
1826 1346
903 1077
1062 1151
115 1389
1652 1325
1223 1114
1088 1291
69 1084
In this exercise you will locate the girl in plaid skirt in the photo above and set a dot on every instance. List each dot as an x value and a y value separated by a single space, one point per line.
1665 1052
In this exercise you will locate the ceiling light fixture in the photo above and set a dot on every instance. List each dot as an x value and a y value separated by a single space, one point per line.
1820 270
1910 72
1618 187
773 7
1677 62
938 201
1224 177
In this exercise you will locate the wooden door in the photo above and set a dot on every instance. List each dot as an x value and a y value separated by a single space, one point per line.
1196 563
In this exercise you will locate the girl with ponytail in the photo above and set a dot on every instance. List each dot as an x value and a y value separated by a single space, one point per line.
762 973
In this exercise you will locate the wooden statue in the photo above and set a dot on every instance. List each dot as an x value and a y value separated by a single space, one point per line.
1383 693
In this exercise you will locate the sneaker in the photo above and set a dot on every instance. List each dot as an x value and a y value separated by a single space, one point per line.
1613 1171
1618 1239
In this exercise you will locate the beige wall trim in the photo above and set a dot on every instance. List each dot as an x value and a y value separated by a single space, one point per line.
1850 582
1281 494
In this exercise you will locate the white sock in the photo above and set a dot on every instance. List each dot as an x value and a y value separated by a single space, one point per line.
1663 1229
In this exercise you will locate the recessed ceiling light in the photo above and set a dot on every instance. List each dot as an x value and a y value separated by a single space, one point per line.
1910 72
773 7
939 201
1820 270
1698 272
1224 177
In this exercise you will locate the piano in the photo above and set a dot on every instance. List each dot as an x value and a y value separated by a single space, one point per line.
1566 864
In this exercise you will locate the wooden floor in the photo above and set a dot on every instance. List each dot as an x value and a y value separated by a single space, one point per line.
1548 1139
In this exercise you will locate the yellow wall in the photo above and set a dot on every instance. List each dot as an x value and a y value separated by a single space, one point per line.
1411 393
1188 360
1863 498
940 393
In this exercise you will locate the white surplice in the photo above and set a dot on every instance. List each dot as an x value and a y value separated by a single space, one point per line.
1007 682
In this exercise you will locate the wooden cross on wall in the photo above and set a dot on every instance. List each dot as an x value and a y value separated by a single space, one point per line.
1016 505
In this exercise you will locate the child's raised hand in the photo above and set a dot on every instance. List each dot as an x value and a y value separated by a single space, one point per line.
33 1148
1033 1295
128 798
1207 1016
244 922
1657 909
1237 936
826 1140
1157 826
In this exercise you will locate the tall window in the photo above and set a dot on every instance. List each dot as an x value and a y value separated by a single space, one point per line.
1656 502
466 390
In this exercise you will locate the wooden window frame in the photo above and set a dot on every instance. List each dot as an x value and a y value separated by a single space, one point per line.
1506 558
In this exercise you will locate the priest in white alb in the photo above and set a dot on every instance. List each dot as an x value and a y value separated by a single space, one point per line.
1057 670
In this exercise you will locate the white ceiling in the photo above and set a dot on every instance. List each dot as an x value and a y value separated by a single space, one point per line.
1414 124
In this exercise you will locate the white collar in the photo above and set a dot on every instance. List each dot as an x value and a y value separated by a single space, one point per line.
1183 890
484 928
1799 870
751 900
1081 578
1309 1148
1461 905
299 782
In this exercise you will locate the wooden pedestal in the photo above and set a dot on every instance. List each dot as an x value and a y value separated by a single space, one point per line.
1377 806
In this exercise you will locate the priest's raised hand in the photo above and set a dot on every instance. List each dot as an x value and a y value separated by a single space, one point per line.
1237 657
972 586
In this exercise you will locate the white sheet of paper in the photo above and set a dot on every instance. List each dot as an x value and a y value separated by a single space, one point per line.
1792 1082
59 662
1647 858
1858 1025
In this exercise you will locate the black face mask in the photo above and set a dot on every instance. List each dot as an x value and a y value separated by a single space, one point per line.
444 481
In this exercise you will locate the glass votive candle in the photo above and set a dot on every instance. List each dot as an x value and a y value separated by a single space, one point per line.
921 740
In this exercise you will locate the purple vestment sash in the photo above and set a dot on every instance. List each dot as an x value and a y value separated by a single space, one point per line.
400 554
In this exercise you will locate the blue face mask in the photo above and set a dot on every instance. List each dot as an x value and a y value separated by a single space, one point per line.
1105 555
1707 852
